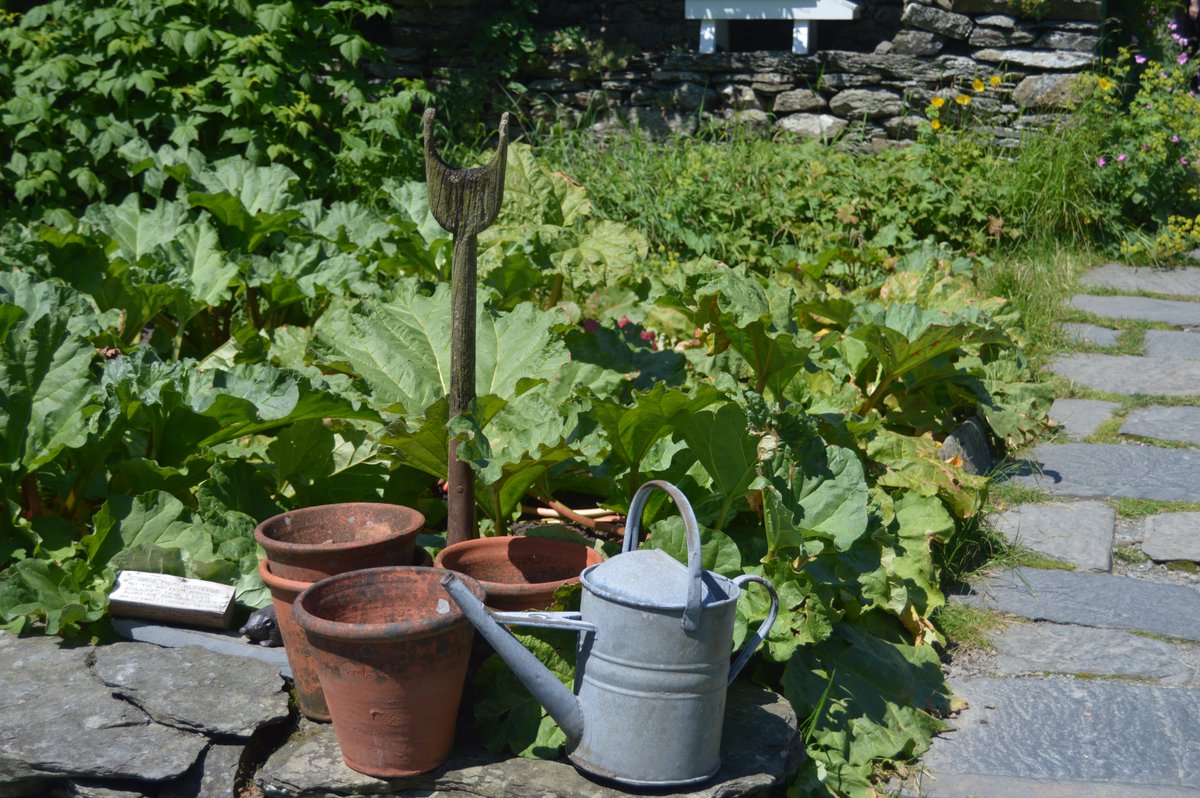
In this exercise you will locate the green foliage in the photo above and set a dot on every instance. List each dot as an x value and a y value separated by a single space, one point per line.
273 82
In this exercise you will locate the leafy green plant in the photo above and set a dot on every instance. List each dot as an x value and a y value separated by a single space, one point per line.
273 82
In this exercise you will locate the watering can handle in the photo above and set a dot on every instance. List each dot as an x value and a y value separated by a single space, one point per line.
691 529
763 629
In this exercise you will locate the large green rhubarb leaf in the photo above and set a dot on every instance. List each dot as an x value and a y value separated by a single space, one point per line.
400 348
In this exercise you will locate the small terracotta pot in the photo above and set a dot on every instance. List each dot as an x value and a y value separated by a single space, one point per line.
312 543
309 695
517 572
391 650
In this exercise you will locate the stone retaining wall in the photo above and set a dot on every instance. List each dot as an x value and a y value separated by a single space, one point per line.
873 77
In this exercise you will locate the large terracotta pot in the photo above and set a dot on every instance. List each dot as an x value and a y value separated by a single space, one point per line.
391 651
517 572
315 542
309 695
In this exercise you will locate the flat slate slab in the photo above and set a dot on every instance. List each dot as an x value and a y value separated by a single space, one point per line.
1180 424
1169 311
1101 470
760 747
1067 737
1091 334
194 689
1131 374
1173 343
1024 648
1172 536
1079 418
1076 532
1101 600
46 739
1183 281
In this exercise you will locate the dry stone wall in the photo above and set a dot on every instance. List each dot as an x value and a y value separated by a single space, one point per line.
871 78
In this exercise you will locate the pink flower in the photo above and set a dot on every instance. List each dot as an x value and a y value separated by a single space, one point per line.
1121 158
1174 139
646 335
1183 161
1172 26
1141 59
624 320
1182 59
1102 162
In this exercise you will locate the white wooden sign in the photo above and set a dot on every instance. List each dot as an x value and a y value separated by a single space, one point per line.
163 597
714 17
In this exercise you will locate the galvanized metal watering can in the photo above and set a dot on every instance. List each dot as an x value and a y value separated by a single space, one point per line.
653 658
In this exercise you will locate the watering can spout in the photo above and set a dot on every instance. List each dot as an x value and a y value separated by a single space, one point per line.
558 700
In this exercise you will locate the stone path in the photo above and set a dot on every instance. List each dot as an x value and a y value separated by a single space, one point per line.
1093 685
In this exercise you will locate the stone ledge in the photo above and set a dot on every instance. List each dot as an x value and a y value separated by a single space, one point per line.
760 748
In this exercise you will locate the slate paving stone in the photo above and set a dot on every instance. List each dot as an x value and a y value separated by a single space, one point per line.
1172 536
1079 418
94 735
1178 282
1099 470
1067 737
1169 311
1091 334
759 748
1024 648
1173 343
194 689
1087 599
215 776
1076 532
1180 424
1131 374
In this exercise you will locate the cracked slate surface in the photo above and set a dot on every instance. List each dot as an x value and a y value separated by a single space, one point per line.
1179 282
1076 532
1181 424
192 688
1094 470
1131 374
1088 599
1169 311
1064 735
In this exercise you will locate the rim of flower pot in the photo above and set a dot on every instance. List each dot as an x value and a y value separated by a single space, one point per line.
368 578
274 580
411 522
451 558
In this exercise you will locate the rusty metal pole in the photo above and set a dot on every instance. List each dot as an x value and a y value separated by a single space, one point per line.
465 202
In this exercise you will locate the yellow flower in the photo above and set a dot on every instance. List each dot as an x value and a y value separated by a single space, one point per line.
977 85
935 124
938 102
996 81
1105 84
963 99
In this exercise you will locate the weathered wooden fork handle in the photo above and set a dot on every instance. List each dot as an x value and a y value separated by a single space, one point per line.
465 202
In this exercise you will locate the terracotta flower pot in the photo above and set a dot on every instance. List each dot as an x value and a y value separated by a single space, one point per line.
517 572
315 542
309 695
391 651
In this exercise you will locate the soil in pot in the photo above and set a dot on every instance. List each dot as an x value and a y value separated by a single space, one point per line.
312 543
516 572
391 650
